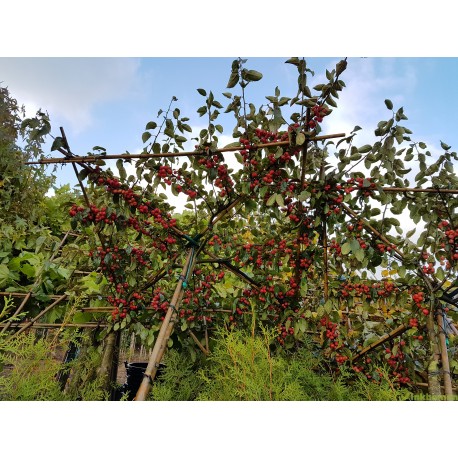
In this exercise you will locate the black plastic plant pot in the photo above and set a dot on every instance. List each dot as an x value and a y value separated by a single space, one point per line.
135 372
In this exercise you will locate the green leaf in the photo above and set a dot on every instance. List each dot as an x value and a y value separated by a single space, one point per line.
145 137
202 110
389 104
364 149
233 80
251 75
410 233
151 125
57 143
82 174
402 271
279 200
156 148
300 139
445 146
440 274
354 245
202 92
346 248
360 254
271 200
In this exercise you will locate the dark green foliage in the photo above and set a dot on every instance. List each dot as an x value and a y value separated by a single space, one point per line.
22 187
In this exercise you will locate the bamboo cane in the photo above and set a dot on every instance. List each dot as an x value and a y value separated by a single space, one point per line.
18 310
396 332
325 261
430 190
160 155
56 325
196 340
444 358
164 333
349 211
434 386
46 310
206 335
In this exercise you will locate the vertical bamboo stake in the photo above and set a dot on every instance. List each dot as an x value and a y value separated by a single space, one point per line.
164 334
206 336
444 358
325 260
434 387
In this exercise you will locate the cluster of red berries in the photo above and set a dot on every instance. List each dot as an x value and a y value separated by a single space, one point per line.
396 362
319 112
418 299
332 333
223 181
335 247
382 247
285 331
354 289
376 290
365 185
94 214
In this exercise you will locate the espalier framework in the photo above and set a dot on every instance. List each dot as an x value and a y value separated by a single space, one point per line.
290 230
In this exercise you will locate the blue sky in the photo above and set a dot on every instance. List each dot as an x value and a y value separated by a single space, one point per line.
108 101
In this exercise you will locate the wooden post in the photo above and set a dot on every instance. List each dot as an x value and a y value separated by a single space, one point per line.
165 331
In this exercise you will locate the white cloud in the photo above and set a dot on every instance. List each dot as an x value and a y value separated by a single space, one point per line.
68 87
361 102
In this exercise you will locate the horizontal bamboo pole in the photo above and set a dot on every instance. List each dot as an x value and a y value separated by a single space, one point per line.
43 312
56 325
26 294
394 333
431 190
160 155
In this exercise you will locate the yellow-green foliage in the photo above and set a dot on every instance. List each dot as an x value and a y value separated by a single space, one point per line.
243 367
29 371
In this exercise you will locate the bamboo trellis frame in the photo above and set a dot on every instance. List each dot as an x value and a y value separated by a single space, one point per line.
70 158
